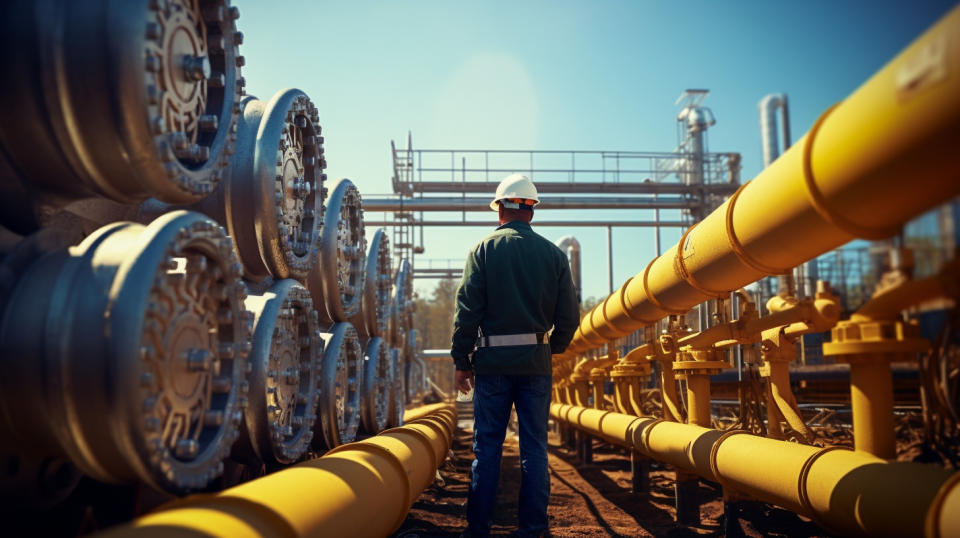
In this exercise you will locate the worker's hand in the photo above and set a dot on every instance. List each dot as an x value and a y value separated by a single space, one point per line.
464 381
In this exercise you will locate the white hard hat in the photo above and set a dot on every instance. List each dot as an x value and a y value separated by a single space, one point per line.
515 186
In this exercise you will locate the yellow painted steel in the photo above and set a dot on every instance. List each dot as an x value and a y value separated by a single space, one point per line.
359 489
848 492
844 179
419 412
942 519
871 401
698 400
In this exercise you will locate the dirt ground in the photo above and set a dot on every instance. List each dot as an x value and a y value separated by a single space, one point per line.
587 500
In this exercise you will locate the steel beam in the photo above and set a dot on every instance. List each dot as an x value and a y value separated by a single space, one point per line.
563 187
477 203
552 223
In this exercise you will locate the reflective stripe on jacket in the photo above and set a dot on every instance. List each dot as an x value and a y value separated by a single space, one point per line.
514 281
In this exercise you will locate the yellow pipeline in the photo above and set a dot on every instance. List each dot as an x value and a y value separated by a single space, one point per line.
359 489
848 492
419 412
844 179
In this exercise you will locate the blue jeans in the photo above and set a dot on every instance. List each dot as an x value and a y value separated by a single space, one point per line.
492 398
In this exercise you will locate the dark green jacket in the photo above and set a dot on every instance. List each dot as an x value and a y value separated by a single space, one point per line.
514 282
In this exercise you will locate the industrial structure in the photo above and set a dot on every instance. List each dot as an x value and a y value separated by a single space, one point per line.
191 313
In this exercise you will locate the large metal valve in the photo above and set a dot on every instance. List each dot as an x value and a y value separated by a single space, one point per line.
336 281
375 402
126 100
373 317
338 406
272 200
401 306
128 353
415 367
285 368
398 391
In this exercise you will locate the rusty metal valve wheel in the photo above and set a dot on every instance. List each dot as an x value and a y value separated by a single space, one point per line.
126 100
338 405
375 394
398 393
133 348
285 367
336 280
374 314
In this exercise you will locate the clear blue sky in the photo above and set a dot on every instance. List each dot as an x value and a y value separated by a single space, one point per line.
561 75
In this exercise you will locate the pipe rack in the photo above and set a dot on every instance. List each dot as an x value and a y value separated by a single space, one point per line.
840 181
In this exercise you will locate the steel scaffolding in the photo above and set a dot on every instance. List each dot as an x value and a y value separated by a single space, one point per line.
440 180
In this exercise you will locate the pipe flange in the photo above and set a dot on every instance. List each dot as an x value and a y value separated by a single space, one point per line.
416 374
737 246
338 395
160 121
284 376
136 104
805 471
336 281
192 81
713 455
688 368
935 513
631 369
401 309
193 348
374 315
820 202
287 186
375 402
645 436
680 267
154 347
398 392
412 381
851 340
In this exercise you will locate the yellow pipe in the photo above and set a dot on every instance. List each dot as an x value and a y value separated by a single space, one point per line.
942 520
635 398
359 489
596 383
419 412
847 492
672 410
843 179
782 404
871 402
890 302
698 400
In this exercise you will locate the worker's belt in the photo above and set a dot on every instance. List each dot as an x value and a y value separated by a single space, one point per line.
525 339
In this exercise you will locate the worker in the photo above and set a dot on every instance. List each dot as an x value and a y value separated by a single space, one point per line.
516 286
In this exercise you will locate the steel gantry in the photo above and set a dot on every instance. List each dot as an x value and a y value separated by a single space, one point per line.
689 182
